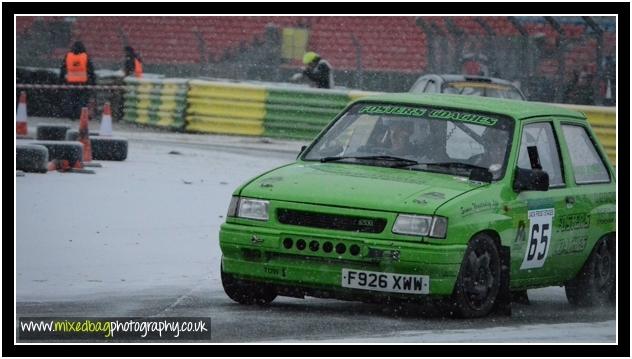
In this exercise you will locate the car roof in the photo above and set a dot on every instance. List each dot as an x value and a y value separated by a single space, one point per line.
513 108
473 78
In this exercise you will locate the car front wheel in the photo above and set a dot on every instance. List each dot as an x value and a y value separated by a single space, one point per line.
246 292
595 283
478 283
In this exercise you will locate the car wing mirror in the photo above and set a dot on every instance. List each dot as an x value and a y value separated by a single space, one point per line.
531 180
481 175
301 152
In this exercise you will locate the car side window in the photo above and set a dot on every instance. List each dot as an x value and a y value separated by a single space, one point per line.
587 164
541 135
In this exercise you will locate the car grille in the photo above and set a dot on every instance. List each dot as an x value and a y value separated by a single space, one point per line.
331 221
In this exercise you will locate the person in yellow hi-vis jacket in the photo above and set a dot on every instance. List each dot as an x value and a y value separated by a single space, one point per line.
317 70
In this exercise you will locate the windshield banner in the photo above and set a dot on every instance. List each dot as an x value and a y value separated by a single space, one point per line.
431 113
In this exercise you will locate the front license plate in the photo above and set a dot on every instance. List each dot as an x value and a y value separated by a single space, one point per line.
385 282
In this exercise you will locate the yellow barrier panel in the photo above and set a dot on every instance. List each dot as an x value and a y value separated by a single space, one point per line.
224 125
354 95
239 92
225 108
219 108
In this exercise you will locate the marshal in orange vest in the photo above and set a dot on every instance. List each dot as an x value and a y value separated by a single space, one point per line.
77 67
138 68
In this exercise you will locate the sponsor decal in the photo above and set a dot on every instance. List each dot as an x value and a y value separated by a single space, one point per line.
479 207
571 245
463 117
393 110
441 114
573 222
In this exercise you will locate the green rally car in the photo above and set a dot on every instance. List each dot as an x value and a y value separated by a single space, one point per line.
457 199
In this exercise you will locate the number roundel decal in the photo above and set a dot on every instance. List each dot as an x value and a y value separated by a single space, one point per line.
539 238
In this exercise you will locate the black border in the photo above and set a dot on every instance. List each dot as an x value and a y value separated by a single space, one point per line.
621 8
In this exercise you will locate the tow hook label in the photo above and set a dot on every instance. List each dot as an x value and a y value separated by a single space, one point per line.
280 272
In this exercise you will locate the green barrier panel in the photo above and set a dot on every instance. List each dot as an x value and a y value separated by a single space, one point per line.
310 99
301 113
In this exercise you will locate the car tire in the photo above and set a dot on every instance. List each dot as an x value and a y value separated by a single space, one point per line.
247 292
595 284
51 132
478 283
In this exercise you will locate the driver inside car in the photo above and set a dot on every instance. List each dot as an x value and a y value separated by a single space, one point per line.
399 136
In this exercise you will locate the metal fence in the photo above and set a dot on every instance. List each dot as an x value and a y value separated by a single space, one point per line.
552 59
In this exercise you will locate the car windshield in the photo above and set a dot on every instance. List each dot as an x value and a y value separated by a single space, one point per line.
417 138
482 89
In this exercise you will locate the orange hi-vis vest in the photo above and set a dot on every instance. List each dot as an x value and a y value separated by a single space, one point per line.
77 67
138 68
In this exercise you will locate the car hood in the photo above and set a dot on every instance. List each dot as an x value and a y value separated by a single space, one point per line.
359 186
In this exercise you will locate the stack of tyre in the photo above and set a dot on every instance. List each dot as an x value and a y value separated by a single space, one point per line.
60 142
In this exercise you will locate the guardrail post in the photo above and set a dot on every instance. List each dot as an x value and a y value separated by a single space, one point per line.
359 73
599 75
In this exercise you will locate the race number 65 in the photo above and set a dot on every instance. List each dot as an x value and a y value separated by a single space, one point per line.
540 223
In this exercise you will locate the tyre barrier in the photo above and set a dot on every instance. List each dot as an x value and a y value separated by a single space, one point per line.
73 135
109 148
103 148
51 132
63 150
31 158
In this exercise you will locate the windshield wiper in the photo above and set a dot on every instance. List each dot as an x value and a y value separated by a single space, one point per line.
454 164
477 173
408 162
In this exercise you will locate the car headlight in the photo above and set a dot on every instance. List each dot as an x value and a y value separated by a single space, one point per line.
249 208
421 225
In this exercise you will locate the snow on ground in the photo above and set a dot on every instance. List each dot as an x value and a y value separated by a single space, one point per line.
151 220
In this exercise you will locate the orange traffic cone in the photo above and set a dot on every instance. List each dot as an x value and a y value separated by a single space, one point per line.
84 135
60 165
21 127
64 166
106 121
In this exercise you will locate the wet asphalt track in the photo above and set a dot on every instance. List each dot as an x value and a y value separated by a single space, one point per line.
290 319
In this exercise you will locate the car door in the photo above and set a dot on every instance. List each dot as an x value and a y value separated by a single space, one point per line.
536 214
593 196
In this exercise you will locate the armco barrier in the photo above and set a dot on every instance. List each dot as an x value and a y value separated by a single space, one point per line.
271 111
156 102
301 113
216 107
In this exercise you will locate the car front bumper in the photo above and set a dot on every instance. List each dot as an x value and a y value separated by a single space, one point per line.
258 254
